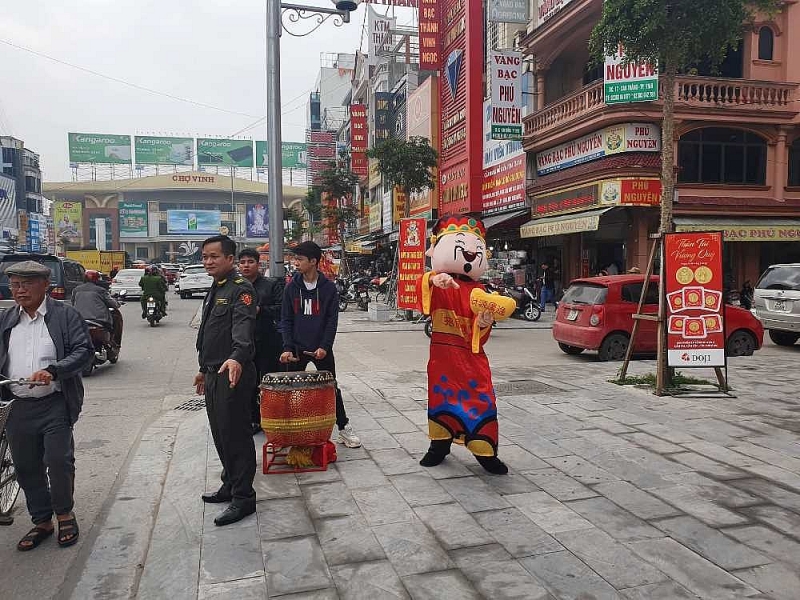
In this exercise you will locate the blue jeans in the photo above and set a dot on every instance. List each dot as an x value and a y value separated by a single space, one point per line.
546 296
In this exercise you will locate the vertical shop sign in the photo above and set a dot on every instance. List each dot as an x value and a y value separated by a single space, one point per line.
695 315
506 66
412 262
358 140
379 29
430 49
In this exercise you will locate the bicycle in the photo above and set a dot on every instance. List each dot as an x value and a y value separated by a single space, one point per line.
9 486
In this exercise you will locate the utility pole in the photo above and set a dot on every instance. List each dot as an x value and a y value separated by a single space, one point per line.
274 179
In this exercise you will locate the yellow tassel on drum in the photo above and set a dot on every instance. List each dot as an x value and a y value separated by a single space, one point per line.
299 457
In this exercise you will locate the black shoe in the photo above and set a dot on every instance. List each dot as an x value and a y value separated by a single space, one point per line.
494 465
438 451
217 497
234 513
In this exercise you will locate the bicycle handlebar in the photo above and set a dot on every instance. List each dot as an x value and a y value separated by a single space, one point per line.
20 382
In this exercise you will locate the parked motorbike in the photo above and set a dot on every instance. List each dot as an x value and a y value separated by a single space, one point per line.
154 311
527 305
107 344
355 290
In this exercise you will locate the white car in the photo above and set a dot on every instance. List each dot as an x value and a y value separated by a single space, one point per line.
193 280
128 280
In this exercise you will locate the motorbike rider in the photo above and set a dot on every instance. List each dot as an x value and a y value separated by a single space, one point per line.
93 302
155 286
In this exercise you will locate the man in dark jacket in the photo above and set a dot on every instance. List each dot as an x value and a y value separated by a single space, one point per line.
45 341
310 317
269 295
93 301
153 284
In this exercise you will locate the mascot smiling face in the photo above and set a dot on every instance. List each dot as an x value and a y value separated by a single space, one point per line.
458 247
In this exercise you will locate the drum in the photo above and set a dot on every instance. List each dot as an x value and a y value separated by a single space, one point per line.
298 408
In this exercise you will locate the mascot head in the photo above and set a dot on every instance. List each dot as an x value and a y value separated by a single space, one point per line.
458 247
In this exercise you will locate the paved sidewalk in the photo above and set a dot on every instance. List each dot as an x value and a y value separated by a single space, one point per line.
613 493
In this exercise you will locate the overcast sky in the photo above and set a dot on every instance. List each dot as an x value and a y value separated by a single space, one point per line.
208 51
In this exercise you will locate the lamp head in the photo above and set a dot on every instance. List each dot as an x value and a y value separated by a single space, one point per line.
346 5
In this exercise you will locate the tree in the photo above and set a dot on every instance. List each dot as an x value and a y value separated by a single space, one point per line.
406 164
334 189
676 34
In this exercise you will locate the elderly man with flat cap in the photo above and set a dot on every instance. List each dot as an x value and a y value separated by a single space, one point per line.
43 340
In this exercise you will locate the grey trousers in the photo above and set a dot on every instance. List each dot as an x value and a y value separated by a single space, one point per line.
40 437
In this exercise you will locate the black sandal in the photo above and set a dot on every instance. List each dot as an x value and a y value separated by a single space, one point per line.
35 536
68 527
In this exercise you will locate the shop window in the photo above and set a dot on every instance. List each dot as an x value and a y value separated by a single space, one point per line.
722 155
766 43
794 163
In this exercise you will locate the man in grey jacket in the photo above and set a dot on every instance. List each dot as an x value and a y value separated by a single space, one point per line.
47 341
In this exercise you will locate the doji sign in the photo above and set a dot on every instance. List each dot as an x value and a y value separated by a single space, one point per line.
429 38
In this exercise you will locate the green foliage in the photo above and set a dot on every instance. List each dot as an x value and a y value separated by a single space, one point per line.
298 225
337 183
406 164
676 33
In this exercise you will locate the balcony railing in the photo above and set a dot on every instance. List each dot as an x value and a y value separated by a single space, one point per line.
690 91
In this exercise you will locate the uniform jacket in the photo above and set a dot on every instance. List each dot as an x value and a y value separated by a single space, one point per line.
310 318
228 326
93 302
74 349
270 296
153 285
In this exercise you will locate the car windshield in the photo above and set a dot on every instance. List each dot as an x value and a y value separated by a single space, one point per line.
52 263
195 271
780 278
585 293
130 274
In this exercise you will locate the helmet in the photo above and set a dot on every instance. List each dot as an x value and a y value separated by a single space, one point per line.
151 270
92 276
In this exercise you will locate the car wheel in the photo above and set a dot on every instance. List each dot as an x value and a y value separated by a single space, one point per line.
571 350
741 343
783 338
532 312
613 347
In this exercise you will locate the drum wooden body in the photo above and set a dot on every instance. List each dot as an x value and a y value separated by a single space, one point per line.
298 409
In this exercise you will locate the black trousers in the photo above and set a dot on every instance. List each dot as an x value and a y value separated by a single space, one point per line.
40 437
229 417
326 364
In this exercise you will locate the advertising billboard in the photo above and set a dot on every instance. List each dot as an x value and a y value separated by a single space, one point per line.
423 121
507 11
634 82
194 222
430 45
506 77
694 288
504 163
224 152
412 262
99 148
132 219
257 221
163 150
68 221
294 155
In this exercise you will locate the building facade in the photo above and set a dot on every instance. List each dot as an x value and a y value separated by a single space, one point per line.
22 164
595 168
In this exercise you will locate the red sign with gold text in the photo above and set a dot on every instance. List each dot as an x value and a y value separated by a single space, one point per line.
359 163
695 306
430 47
412 262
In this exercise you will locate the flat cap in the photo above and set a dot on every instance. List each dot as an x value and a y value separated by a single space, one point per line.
27 268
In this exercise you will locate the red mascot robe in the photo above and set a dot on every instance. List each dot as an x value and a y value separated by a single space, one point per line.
461 401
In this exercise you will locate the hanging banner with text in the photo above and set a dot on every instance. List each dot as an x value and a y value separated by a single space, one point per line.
379 30
506 66
412 262
634 82
430 45
695 306
359 163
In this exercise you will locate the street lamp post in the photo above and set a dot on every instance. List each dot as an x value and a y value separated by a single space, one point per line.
296 13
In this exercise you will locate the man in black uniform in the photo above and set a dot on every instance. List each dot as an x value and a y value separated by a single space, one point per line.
269 292
227 376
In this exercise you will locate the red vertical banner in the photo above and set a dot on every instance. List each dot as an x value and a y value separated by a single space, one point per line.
358 140
430 48
412 262
695 305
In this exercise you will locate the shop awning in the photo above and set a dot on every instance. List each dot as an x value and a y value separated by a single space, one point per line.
744 229
563 224
495 220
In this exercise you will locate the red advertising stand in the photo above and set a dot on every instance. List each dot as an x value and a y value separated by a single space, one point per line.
412 262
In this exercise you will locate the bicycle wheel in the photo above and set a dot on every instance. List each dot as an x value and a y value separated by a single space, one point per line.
9 486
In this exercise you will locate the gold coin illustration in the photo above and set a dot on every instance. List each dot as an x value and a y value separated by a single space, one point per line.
694 297
694 326
703 275
684 276
710 301
678 301
678 322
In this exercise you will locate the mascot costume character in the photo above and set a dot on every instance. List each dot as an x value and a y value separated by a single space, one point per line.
461 400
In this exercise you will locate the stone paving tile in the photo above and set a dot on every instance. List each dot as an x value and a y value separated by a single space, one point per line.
359 474
253 588
343 453
705 465
721 492
381 410
377 440
498 577
615 521
295 565
332 474
780 582
771 492
326 594
452 467
782 476
691 570
721 454
348 540
767 455
276 486
363 423
634 500
568 578
652 443
606 424
610 559
512 483
777 440
230 553
420 489
770 542
538 446
670 434
560 486
691 500
517 533
668 590
441 585
414 443
453 526
711 544
418 417
368 581
398 425
548 513
783 520
581 469
411 548
476 495
383 505
395 461
329 500
519 459
283 518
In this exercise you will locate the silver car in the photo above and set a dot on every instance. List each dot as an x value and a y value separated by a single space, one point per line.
193 280
776 301
128 280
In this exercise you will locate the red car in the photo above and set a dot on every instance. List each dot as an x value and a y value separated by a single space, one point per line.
596 313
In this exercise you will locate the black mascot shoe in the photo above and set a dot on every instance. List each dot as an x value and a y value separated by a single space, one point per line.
437 452
494 465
